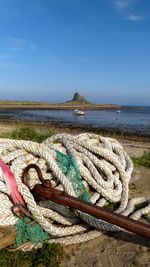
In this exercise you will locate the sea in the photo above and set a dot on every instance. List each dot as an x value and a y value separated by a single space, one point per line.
129 120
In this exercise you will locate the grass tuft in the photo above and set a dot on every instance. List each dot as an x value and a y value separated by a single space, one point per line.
49 256
142 161
27 133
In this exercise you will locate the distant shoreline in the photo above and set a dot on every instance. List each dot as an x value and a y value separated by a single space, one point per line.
66 107
57 107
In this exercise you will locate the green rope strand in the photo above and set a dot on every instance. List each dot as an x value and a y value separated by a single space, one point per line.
70 169
28 230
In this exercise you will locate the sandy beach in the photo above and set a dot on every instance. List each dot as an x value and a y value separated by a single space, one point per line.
114 250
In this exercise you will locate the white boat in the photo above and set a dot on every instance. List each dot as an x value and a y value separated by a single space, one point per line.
79 112
118 111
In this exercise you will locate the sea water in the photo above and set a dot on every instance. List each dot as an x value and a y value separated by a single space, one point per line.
136 120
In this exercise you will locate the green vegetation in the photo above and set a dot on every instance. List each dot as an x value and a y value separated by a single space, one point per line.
27 133
48 256
142 161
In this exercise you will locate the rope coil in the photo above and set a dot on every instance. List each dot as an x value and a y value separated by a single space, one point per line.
105 170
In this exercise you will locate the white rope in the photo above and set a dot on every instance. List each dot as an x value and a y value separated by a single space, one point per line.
104 166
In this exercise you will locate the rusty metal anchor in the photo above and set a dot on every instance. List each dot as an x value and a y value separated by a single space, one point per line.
45 191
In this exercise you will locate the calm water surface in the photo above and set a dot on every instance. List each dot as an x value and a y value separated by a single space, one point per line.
134 121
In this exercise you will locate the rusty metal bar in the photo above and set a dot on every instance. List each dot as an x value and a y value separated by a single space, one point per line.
45 191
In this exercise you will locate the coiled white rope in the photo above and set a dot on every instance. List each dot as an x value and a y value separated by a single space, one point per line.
104 167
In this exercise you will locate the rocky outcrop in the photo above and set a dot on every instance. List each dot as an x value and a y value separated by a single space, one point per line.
79 98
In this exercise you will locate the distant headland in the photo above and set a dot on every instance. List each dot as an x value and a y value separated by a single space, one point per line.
78 101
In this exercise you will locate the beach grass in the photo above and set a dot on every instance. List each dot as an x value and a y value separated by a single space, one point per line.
142 161
27 133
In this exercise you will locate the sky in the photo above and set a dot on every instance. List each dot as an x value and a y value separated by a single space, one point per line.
49 49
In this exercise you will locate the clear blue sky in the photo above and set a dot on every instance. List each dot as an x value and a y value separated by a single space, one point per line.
51 48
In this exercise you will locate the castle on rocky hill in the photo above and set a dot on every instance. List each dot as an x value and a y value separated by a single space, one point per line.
78 98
